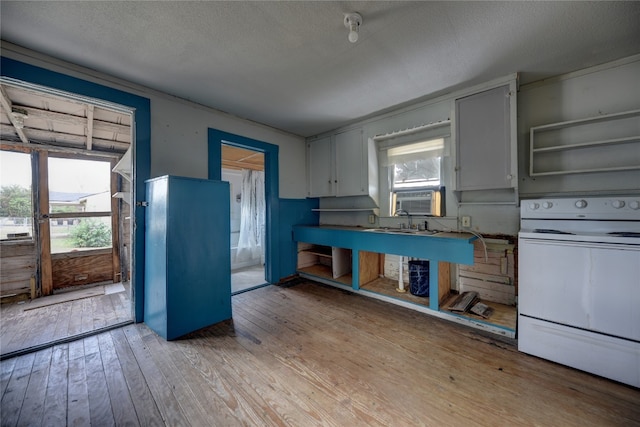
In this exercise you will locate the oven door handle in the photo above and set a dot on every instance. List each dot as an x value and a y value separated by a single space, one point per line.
581 244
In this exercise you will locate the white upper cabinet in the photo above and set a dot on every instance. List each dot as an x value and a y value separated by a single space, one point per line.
486 140
351 164
320 168
340 164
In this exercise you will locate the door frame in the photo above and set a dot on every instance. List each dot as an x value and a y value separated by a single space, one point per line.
141 108
272 197
47 257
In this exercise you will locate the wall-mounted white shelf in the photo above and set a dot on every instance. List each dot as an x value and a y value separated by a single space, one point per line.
373 210
124 166
605 143
124 195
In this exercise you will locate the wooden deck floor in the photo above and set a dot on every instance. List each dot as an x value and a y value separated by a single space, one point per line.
306 355
23 326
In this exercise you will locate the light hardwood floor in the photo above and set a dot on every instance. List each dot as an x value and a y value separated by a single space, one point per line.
23 326
306 355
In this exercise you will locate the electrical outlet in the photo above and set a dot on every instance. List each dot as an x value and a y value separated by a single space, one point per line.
372 219
466 221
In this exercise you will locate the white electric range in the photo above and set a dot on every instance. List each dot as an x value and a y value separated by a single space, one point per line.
579 284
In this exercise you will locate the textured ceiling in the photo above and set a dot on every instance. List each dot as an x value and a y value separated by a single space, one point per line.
289 64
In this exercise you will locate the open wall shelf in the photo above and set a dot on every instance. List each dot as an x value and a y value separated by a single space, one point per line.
604 143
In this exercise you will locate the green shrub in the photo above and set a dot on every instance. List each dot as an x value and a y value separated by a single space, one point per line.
91 233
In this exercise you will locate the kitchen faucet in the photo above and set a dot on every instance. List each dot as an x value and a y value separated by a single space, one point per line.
400 212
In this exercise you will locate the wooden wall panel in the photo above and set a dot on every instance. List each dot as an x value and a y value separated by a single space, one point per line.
444 280
17 267
44 231
79 268
493 276
369 266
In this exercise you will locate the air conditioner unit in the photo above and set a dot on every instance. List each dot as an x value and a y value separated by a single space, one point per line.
421 202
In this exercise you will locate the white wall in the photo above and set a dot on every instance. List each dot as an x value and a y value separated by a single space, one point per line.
179 127
606 89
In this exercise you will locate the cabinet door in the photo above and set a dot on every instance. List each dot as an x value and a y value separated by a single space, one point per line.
320 168
340 262
484 140
350 163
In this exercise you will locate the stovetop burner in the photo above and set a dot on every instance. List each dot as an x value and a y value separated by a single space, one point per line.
624 234
550 231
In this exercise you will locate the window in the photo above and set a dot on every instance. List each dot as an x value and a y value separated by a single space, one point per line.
79 204
16 200
415 165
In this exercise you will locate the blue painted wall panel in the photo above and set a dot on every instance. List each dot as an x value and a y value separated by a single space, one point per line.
293 212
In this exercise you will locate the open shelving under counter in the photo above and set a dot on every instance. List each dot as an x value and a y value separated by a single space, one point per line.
367 250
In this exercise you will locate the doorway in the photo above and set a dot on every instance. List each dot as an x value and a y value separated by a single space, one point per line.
83 222
244 170
71 252
217 139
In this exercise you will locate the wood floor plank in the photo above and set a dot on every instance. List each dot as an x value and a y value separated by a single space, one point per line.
124 412
75 319
336 384
55 401
32 411
45 327
97 310
210 389
14 395
251 371
146 409
99 399
6 369
248 398
62 321
86 323
181 389
78 410
160 388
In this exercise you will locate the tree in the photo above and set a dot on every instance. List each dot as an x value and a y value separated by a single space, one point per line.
91 233
15 201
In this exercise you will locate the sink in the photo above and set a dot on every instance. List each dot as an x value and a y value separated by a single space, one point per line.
402 231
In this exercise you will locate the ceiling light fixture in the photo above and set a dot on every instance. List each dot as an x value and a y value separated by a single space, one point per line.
353 21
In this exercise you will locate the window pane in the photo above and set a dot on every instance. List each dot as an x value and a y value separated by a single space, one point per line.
78 234
417 173
79 185
16 207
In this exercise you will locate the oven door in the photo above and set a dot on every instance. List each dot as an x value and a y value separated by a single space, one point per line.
591 286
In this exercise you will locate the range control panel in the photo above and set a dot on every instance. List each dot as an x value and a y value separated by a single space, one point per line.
606 208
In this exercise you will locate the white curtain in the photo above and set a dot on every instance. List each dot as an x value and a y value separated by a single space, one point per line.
252 216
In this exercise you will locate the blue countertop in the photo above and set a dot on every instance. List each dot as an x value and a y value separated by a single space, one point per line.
441 246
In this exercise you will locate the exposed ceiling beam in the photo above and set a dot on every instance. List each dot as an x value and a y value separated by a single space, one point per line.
98 125
89 126
18 146
46 137
231 164
6 104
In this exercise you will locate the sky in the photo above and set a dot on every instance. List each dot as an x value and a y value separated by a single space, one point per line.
67 175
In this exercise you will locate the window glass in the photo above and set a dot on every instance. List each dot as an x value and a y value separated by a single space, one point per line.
80 234
416 165
79 185
16 201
